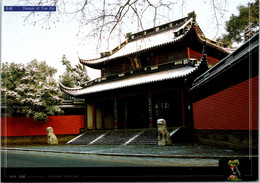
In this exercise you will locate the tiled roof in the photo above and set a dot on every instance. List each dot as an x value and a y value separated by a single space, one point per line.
146 42
132 81
166 34
228 61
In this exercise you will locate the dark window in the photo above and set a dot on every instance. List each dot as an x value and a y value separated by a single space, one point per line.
128 67
181 55
151 62
113 70
172 58
162 60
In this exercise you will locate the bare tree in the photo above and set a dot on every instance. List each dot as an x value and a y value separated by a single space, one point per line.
101 19
106 18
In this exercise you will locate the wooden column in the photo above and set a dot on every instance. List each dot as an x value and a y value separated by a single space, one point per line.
102 116
93 116
182 107
159 109
125 115
150 108
123 67
115 114
156 61
188 52
86 117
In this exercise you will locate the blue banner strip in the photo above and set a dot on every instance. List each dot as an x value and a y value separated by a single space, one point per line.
29 8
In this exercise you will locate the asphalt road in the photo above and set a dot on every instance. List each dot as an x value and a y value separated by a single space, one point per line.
16 159
34 166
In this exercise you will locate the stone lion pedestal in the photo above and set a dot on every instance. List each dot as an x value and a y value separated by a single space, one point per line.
51 137
164 138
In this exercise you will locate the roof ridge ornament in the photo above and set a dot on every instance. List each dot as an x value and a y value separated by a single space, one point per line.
204 63
192 15
204 50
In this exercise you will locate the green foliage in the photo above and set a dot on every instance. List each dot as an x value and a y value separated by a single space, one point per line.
67 80
30 90
242 27
40 116
74 76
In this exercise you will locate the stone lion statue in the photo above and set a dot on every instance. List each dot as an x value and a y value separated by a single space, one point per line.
164 137
51 137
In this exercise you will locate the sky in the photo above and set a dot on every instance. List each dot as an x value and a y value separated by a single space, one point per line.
22 42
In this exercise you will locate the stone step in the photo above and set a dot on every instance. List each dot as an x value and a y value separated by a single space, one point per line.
143 142
87 137
149 136
119 137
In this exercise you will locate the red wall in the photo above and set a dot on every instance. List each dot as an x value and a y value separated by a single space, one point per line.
211 60
235 108
22 126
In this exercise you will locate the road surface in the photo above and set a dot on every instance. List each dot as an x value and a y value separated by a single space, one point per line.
11 158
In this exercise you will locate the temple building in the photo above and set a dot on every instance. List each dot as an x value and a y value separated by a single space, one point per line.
147 77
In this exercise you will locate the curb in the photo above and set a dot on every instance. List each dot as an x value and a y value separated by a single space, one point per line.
136 155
